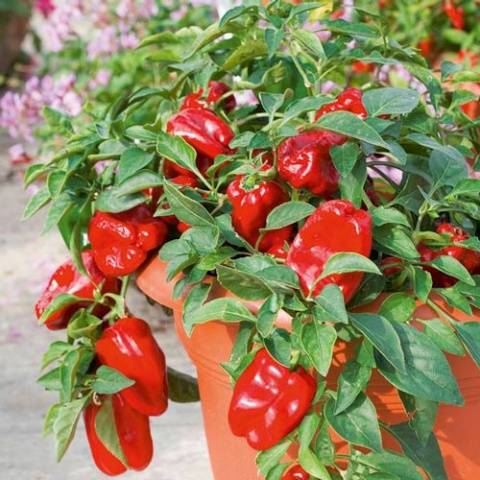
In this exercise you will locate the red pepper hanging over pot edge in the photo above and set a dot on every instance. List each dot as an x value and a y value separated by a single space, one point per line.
120 242
133 429
251 206
130 347
67 279
296 473
269 401
336 226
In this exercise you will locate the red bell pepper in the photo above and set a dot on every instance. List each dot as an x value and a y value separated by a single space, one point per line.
470 259
203 130
304 161
133 431
336 226
296 473
269 401
130 347
67 279
216 90
121 241
455 14
251 206
350 100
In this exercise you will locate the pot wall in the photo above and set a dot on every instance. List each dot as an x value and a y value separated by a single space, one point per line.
233 459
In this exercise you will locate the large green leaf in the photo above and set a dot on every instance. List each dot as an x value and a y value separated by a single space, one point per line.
318 342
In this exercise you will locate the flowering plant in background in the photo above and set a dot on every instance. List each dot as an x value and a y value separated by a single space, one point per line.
85 51
331 188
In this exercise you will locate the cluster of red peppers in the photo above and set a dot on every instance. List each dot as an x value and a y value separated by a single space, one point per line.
455 14
128 345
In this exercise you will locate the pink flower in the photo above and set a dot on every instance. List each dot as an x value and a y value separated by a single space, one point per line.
46 7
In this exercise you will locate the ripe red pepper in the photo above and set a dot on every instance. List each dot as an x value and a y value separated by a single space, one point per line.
251 206
350 100
470 259
121 241
296 473
203 130
391 271
133 430
304 161
269 401
455 14
336 226
130 347
362 67
67 279
426 46
215 91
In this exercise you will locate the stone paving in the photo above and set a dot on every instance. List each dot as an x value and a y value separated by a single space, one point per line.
26 261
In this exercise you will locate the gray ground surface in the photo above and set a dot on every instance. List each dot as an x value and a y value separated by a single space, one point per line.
26 261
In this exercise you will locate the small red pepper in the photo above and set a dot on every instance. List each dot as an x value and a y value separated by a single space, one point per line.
251 206
203 130
350 100
121 241
296 473
216 90
391 271
130 347
304 161
269 401
470 259
133 431
67 279
336 226
362 67
426 46
455 14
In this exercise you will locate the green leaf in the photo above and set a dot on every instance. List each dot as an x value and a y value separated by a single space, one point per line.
274 39
303 105
268 313
346 262
83 324
271 102
109 201
279 277
55 351
268 459
381 333
426 456
232 14
195 299
324 447
186 209
446 168
177 150
396 241
392 463
142 180
469 333
310 42
51 380
50 418
109 381
355 30
307 429
345 157
332 302
58 121
287 214
352 381
182 388
352 185
222 309
456 299
59 302
398 307
385 216
318 342
65 424
390 101
427 374
278 345
242 284
132 160
348 124
466 187
211 260
357 424
39 200
312 464
422 413
451 266
422 283
106 429
443 336
68 373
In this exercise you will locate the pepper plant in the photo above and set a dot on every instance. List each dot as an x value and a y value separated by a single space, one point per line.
304 202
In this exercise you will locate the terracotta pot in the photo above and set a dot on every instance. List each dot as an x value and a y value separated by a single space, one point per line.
13 28
233 459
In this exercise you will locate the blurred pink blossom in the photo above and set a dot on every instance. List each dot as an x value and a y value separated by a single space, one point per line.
45 7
